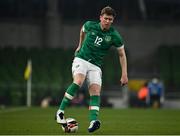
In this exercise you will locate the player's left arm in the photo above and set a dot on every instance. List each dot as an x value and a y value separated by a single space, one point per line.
123 62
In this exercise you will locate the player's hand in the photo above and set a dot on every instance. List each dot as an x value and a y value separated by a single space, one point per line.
124 80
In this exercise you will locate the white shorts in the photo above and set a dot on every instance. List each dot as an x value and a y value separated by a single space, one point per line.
92 72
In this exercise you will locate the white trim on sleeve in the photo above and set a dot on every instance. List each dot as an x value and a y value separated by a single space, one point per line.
121 47
83 29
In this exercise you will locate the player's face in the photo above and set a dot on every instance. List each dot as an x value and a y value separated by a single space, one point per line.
106 21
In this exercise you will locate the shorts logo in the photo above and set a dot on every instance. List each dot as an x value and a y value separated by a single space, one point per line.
77 66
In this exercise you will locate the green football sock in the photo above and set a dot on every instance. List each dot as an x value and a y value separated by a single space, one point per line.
94 107
69 94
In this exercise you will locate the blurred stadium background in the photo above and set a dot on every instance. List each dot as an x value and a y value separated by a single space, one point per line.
47 32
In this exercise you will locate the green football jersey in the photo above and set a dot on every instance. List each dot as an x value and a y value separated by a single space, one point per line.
97 42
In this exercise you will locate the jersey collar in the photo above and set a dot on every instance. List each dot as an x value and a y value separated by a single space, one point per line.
99 24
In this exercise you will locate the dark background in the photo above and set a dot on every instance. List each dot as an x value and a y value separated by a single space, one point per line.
47 32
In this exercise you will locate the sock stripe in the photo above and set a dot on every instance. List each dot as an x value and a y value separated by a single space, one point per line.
68 96
94 108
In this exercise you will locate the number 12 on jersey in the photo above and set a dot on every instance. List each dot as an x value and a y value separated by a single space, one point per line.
98 40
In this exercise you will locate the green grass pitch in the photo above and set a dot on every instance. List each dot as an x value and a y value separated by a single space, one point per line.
38 121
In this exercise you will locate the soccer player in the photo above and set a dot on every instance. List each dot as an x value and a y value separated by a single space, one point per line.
96 38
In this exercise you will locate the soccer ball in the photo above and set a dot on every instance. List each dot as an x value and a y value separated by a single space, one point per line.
72 125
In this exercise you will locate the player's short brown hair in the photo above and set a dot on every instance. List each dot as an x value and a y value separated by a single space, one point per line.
108 10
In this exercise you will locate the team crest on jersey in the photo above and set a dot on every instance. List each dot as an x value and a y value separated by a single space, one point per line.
107 38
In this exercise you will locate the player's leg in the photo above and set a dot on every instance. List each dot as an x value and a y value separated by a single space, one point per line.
71 91
68 96
79 72
94 106
94 80
94 103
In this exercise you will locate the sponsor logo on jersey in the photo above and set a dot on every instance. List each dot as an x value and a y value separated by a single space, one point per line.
93 33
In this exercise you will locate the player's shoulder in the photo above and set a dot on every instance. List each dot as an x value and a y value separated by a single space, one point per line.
114 31
91 23
116 35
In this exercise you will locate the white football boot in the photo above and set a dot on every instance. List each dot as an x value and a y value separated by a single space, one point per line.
60 119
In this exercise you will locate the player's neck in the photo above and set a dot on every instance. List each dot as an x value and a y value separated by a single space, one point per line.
103 28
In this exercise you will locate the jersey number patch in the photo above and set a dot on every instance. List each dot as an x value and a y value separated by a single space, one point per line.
98 40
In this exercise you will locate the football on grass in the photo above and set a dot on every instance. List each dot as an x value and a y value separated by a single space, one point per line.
72 125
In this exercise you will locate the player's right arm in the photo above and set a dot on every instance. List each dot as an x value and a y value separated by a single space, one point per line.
81 38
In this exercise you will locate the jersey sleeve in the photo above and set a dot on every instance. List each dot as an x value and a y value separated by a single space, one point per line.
118 40
86 26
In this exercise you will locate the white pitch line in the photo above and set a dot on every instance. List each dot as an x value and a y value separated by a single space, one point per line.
8 110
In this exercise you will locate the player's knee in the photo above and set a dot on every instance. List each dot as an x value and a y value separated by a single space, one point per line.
94 89
78 82
94 92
